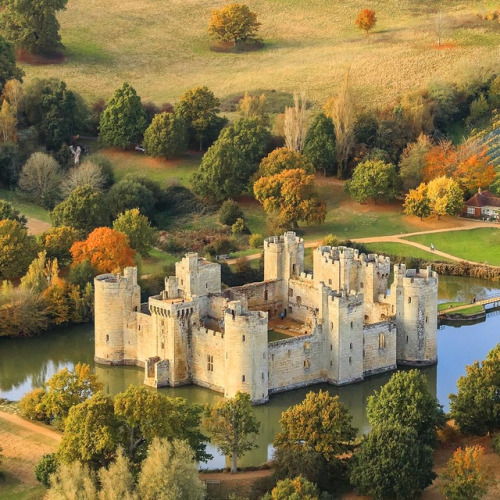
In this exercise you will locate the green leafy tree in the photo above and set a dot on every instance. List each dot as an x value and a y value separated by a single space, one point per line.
392 462
71 481
33 26
412 162
82 274
373 179
319 146
476 406
142 237
465 477
91 432
7 211
18 249
417 202
233 426
166 136
128 194
117 480
298 488
40 179
45 467
57 242
222 172
199 107
321 424
284 159
406 401
233 23
124 120
170 472
146 415
230 212
84 209
8 68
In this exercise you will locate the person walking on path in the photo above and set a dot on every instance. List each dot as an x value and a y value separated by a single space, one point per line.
432 247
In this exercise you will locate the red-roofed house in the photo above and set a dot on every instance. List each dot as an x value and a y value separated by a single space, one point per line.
482 205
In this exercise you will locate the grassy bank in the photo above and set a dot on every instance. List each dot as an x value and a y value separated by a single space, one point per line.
402 250
468 311
27 208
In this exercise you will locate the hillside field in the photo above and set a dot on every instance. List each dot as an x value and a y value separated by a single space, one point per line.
162 48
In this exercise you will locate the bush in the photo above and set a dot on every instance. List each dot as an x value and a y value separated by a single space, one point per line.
495 444
330 240
221 246
256 240
31 405
239 227
230 212
46 466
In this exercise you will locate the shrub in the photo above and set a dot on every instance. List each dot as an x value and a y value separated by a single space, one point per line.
239 226
256 240
330 240
230 212
495 444
32 405
46 466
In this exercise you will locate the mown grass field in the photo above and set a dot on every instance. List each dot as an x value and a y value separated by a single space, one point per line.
464 312
479 245
162 48
402 250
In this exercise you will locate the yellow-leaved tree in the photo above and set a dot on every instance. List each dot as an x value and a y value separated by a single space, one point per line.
234 23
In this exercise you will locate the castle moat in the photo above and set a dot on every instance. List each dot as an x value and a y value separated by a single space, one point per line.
26 363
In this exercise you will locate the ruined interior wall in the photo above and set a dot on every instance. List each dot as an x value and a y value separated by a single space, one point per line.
303 300
378 358
262 296
208 363
374 312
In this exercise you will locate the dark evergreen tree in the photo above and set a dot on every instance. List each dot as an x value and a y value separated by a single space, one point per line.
128 194
8 68
166 136
320 144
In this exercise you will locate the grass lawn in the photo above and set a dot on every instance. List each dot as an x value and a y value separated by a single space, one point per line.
465 312
162 48
156 262
479 245
25 207
402 250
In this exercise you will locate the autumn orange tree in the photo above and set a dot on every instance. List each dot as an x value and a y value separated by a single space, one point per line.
107 250
233 23
291 196
465 475
366 20
440 160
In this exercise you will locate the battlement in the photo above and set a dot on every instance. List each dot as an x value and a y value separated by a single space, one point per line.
117 280
289 238
422 275
346 298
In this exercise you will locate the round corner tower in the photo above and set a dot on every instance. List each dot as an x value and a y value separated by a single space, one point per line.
415 296
116 296
245 335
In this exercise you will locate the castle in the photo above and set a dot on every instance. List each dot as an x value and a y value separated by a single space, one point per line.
342 325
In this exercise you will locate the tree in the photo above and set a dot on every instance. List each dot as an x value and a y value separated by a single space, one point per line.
445 196
199 107
476 406
45 467
233 23
40 273
88 173
84 209
296 123
117 481
13 92
8 68
293 489
284 159
82 274
392 463
72 480
18 249
373 179
8 123
440 25
146 415
366 20
123 121
321 424
319 145
406 401
166 136
465 477
440 160
7 211
142 237
107 250
131 193
170 473
90 432
413 162
57 242
475 168
33 26
230 212
291 196
341 109
233 426
40 179
222 173
417 202
251 106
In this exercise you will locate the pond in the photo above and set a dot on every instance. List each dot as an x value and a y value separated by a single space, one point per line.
26 363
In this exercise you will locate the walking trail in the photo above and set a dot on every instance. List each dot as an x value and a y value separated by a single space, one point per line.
15 419
399 238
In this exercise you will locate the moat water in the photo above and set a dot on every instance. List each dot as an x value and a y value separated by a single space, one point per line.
26 363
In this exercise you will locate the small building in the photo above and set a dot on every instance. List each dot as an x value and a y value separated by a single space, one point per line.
483 205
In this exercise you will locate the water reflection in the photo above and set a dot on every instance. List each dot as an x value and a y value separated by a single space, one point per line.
27 362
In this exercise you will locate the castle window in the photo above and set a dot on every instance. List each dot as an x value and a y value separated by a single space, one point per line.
307 346
293 268
290 292
307 364
331 363
263 355
363 353
381 341
299 300
290 310
182 282
135 308
139 327
210 363
262 375
272 357
407 339
350 346
206 285
361 285
243 338
243 378
409 300
330 282
162 345
107 338
331 325
350 360
331 347
266 295
427 319
352 324
392 308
